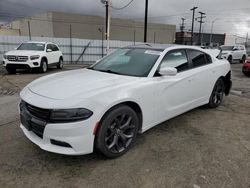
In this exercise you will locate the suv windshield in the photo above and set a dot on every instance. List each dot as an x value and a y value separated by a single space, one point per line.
129 61
31 46
229 48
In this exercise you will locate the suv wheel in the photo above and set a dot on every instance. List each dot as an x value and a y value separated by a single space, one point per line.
60 64
217 94
11 70
43 67
230 59
117 132
243 59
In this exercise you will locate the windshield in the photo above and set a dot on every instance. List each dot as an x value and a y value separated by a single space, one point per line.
229 48
129 61
31 46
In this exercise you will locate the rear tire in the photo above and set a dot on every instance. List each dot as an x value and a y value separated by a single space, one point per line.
217 94
243 59
230 59
43 66
11 70
60 64
117 131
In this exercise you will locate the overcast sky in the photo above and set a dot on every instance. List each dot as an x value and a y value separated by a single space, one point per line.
232 16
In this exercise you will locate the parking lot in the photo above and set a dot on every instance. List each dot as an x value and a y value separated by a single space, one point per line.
201 148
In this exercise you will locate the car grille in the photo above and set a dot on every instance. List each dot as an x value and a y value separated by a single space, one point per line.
17 58
38 112
37 118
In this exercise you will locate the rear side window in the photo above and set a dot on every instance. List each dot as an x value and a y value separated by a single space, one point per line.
198 58
177 59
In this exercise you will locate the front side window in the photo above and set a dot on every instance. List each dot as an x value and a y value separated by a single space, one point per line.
31 46
198 58
54 47
49 47
177 59
129 61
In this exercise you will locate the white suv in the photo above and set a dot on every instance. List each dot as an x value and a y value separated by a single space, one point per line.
33 55
234 52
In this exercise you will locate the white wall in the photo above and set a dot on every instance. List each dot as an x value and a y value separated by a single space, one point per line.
92 53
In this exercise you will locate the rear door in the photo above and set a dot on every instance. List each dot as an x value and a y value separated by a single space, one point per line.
203 75
56 53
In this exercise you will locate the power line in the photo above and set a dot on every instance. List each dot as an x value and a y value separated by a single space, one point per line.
125 6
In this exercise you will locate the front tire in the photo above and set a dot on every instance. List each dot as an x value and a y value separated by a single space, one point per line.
117 131
43 66
217 94
11 70
60 64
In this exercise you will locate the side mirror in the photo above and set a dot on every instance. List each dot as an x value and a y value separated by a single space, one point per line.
48 50
235 49
168 71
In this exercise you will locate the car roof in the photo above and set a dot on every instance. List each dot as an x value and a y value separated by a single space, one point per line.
40 42
164 47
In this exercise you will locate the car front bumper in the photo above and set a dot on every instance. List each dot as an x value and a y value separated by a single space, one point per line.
22 65
77 135
246 69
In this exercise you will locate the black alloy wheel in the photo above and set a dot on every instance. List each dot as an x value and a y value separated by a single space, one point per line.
117 132
217 94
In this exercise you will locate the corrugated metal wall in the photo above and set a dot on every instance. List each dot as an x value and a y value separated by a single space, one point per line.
93 52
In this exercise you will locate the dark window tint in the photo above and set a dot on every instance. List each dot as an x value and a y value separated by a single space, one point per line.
208 58
49 46
198 58
54 47
177 59
31 46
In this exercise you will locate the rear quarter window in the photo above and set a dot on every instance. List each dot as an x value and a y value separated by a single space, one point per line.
199 58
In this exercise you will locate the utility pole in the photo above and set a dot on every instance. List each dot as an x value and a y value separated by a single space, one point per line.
201 22
146 21
70 35
182 27
211 33
246 40
192 32
101 31
29 30
107 4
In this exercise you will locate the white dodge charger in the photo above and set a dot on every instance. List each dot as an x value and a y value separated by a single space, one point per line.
105 106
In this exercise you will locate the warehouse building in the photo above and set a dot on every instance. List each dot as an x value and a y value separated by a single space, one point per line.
66 25
206 38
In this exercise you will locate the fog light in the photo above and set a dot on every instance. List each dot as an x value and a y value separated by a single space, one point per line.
60 143
35 63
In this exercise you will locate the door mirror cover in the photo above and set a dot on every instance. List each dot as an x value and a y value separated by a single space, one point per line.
49 50
168 71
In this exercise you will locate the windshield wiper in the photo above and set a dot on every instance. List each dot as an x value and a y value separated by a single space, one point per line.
109 71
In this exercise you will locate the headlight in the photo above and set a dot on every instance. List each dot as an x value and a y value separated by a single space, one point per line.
34 57
70 115
5 56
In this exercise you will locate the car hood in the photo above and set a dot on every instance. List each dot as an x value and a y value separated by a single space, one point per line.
77 83
23 52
